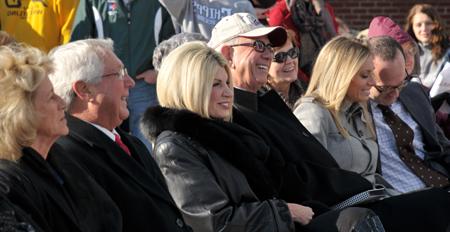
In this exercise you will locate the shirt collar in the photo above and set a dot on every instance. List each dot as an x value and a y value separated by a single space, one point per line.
110 134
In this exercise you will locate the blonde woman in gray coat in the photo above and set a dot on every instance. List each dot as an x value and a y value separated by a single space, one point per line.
334 106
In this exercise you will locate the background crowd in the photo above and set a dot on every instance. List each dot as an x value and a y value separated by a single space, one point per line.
234 115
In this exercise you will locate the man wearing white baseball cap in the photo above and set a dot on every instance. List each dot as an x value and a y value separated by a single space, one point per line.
247 45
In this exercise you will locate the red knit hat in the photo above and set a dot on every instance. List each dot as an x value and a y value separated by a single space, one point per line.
382 25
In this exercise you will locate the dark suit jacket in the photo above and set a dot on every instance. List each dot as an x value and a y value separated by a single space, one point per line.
316 175
437 146
311 172
59 195
134 183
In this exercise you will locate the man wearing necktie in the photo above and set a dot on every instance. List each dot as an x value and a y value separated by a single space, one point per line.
95 85
414 153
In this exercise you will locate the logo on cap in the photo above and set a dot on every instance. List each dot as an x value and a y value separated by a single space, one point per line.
249 19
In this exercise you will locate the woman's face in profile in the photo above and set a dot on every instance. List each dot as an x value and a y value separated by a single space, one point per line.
221 99
50 111
362 82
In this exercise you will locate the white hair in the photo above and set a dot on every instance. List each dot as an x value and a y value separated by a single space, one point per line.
81 60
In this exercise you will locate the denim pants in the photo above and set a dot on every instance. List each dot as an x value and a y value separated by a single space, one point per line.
142 96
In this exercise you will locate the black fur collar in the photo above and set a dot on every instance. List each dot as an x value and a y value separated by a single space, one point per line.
241 147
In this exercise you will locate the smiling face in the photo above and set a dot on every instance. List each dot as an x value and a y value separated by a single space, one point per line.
221 99
249 67
109 96
362 82
285 72
422 26
50 112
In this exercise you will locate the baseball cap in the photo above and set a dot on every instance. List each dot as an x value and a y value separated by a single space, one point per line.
245 25
384 26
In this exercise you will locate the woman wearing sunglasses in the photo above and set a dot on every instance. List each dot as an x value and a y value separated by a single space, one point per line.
283 72
222 176
334 106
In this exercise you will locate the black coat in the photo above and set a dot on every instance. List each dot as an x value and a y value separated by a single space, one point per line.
310 168
208 165
14 219
316 176
58 193
134 183
214 167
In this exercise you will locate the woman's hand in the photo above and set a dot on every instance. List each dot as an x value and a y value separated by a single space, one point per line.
301 214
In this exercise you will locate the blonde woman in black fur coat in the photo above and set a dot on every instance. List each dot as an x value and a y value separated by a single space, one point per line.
217 171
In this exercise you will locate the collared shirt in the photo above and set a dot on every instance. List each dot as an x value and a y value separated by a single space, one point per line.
394 170
107 132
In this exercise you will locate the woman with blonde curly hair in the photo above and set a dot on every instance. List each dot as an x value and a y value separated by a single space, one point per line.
428 30
31 119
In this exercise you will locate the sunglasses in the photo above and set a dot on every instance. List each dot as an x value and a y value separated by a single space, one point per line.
281 57
258 46
383 89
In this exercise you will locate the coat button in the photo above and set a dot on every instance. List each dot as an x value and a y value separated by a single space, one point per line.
180 222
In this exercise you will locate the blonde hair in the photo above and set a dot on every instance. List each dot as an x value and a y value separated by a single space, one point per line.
21 71
186 77
336 65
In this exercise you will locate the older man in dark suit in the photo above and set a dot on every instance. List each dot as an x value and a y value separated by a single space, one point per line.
95 86
409 105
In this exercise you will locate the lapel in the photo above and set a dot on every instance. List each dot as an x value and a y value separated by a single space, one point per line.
372 118
139 170
408 98
42 173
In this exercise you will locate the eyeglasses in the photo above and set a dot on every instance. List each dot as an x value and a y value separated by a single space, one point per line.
120 74
281 57
382 89
258 45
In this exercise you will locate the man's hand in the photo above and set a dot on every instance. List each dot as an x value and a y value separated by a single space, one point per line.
149 76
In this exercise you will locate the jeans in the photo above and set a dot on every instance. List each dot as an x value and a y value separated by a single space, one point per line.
142 96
